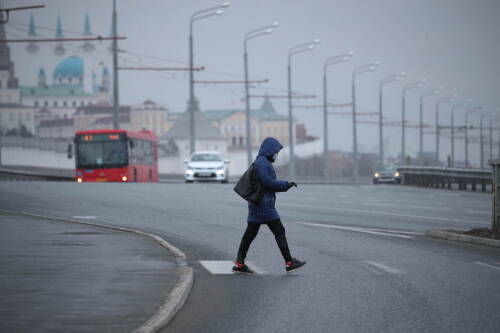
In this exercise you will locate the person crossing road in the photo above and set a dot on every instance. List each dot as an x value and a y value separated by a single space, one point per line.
265 212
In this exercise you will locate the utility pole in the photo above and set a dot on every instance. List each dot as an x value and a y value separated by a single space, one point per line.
116 119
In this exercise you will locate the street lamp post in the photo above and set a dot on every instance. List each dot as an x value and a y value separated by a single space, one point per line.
481 139
384 81
116 106
309 46
494 116
409 86
469 111
192 104
358 70
251 35
452 126
329 62
441 101
426 94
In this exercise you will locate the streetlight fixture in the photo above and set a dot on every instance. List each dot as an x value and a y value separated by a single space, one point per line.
424 95
452 126
266 30
358 70
309 46
192 104
443 100
329 62
469 111
409 86
384 81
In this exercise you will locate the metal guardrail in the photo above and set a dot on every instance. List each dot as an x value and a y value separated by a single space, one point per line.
445 177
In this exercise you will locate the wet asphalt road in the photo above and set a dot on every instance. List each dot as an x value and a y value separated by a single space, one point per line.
369 268
65 277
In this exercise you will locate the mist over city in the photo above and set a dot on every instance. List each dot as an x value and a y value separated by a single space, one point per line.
144 144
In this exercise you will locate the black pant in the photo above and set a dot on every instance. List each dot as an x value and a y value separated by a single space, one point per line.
277 229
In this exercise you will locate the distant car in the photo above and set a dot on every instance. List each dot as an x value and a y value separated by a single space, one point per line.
206 165
387 174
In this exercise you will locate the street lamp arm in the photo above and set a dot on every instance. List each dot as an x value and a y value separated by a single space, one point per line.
391 78
447 99
300 47
260 31
364 68
414 85
305 49
337 59
211 9
257 35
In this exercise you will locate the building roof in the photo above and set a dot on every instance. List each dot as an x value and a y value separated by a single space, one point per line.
265 112
69 67
124 118
258 114
58 122
54 91
100 109
150 105
203 128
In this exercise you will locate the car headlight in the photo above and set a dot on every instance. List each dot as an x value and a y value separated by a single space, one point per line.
189 167
396 174
220 167
376 175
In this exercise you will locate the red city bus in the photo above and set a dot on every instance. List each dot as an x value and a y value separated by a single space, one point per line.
115 156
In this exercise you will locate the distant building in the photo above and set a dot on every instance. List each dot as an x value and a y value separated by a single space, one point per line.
56 128
100 116
150 116
15 118
264 122
176 141
66 92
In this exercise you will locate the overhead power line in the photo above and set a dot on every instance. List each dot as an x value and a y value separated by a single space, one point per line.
38 40
160 68
282 96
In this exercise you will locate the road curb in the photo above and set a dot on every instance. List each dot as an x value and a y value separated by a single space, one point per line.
448 235
178 295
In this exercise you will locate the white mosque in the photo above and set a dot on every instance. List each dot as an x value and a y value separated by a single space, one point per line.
67 90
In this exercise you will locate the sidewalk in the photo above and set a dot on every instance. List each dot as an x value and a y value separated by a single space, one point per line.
65 277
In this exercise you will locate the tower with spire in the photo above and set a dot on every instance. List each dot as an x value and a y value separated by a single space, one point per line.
87 46
16 119
32 47
8 81
59 49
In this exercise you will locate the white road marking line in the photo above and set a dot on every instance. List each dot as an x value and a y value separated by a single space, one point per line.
221 267
85 217
385 268
487 265
388 230
388 214
354 229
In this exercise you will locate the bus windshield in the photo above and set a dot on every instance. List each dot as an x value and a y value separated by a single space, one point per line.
101 154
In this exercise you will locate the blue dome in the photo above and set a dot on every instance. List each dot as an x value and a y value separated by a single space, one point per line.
69 67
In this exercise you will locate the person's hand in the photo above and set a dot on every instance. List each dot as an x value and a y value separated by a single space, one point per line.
293 184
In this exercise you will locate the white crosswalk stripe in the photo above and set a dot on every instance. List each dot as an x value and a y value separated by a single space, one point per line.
221 267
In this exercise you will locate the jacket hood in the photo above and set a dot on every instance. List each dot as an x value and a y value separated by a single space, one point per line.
269 147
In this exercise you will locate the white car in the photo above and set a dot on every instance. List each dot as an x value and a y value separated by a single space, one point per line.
206 165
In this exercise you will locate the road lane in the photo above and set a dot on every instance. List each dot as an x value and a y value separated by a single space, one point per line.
441 288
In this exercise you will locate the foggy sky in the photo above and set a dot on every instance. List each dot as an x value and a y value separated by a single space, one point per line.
450 42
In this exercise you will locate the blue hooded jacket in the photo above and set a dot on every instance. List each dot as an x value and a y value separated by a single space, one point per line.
265 211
